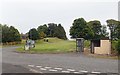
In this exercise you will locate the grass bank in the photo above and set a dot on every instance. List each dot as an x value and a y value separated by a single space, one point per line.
54 45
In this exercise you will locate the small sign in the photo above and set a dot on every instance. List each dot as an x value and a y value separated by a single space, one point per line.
29 44
26 47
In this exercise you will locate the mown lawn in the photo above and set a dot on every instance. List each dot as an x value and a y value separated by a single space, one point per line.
54 45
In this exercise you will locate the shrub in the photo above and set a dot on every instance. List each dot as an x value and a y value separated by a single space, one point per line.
114 47
118 47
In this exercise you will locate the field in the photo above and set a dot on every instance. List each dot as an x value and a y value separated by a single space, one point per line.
54 45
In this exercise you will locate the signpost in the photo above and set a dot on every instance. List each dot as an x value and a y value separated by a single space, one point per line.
29 44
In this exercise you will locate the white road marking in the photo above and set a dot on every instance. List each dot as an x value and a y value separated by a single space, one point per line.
35 71
52 70
76 72
70 69
58 68
43 69
31 65
47 67
95 72
83 71
39 66
65 71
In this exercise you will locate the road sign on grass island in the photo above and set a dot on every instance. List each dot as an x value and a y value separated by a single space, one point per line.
29 44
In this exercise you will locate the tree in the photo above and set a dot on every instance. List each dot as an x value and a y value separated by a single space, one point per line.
95 27
42 35
14 34
17 36
112 24
33 34
0 33
43 29
78 30
60 32
118 30
88 33
52 29
5 33
104 32
10 34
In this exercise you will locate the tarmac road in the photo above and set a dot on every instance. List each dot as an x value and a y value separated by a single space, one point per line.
13 62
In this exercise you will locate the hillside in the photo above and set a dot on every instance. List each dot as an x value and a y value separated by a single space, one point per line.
54 45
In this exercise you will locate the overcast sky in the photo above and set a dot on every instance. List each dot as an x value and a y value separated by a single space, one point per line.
27 14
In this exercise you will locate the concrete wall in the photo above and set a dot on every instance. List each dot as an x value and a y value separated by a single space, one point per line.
105 47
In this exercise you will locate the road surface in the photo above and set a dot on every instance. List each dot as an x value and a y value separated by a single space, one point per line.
13 62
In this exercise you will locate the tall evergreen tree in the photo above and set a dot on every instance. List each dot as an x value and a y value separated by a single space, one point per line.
60 32
33 34
52 29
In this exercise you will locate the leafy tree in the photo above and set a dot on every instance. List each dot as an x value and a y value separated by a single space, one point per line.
88 33
17 35
60 32
0 33
118 30
33 34
14 34
104 32
79 28
10 34
42 35
95 27
43 29
112 24
5 34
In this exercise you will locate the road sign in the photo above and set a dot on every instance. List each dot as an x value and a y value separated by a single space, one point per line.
29 44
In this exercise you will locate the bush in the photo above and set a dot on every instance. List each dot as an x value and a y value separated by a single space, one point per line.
87 44
114 47
118 47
